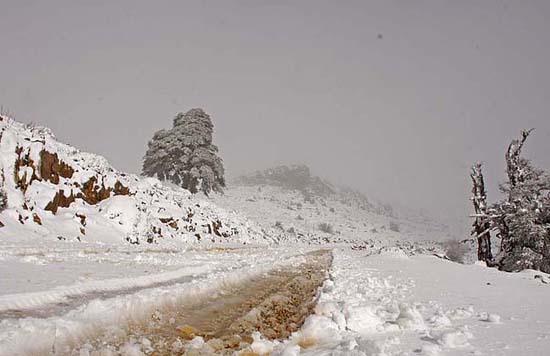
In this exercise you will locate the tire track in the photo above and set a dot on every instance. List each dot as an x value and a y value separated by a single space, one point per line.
275 303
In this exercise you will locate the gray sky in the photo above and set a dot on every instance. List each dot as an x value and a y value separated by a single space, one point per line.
401 117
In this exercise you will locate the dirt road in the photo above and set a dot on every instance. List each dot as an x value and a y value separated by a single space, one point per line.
275 303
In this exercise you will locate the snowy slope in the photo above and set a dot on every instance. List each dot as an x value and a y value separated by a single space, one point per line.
293 206
55 191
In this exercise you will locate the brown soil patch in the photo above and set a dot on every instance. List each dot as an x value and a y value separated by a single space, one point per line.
275 304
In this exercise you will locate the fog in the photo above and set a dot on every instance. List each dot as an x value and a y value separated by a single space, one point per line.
396 98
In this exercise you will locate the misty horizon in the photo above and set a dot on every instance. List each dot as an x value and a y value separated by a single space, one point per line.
396 99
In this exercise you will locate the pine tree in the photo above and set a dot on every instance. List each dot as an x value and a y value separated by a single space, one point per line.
185 154
523 218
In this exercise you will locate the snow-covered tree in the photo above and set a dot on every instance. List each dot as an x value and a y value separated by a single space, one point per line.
185 154
522 219
524 216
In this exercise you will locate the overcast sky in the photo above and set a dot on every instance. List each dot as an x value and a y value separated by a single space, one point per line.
396 98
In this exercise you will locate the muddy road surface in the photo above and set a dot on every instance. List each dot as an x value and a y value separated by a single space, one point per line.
274 303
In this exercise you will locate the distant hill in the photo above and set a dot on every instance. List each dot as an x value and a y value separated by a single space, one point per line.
292 205
298 178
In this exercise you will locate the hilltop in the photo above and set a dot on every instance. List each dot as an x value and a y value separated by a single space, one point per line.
293 205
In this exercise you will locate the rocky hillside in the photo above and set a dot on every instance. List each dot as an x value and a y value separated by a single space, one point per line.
54 191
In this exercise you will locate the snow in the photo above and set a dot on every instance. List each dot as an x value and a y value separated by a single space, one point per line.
387 305
370 304
214 270
387 293
153 212
287 217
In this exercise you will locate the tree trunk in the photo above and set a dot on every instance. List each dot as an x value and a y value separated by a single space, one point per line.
482 224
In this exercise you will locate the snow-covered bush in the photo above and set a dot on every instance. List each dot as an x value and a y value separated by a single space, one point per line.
326 228
185 154
394 226
3 200
456 251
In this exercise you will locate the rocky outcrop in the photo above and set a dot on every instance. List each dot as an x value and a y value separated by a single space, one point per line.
60 201
24 177
51 168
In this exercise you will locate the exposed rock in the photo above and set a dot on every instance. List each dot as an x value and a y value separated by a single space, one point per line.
170 222
216 225
24 160
36 219
51 168
60 200
120 189
82 218
92 193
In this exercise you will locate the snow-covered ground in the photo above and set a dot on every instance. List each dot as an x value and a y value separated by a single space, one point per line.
78 293
86 250
384 303
392 304
287 216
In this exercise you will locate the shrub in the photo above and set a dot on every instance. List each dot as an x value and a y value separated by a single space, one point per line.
326 227
394 226
456 251
3 200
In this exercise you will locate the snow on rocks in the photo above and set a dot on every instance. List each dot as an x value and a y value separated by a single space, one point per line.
490 318
55 191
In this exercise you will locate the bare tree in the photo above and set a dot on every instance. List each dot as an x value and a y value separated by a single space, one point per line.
482 224
513 160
